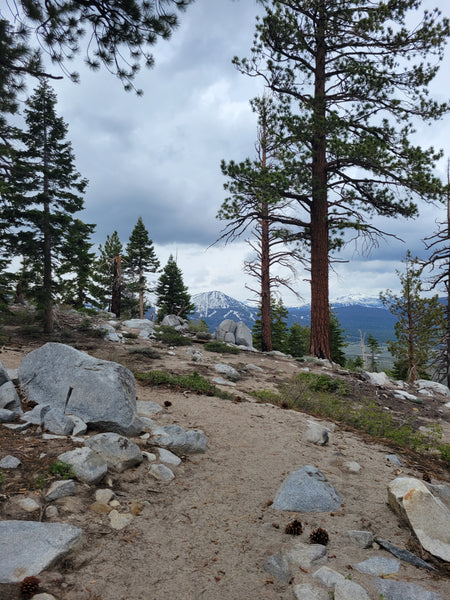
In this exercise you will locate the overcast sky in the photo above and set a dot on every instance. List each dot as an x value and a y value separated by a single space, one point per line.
158 156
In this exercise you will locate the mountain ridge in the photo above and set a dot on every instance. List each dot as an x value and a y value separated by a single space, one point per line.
355 313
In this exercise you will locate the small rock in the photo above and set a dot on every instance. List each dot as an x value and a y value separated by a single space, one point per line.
104 495
394 459
222 381
363 539
378 565
352 466
161 472
120 520
60 489
9 462
43 596
228 371
402 590
118 451
149 456
114 503
168 457
307 490
7 416
28 504
328 576
278 566
317 433
303 555
100 508
51 512
147 408
349 590
87 465
306 592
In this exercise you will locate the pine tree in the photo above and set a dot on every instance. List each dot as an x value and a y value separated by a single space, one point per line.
374 348
338 70
255 203
75 270
438 245
337 340
278 328
298 340
172 295
420 324
48 191
104 274
119 33
140 258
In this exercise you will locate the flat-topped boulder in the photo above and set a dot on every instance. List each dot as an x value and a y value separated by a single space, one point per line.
100 392
29 547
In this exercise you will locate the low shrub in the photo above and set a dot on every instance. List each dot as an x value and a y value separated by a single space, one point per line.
171 337
217 346
146 352
193 382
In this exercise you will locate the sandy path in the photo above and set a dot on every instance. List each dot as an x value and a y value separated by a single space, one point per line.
206 534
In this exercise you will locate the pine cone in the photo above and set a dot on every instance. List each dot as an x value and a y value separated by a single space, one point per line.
29 586
294 528
319 536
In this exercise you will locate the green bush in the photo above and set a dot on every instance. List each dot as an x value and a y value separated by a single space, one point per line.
193 382
218 346
146 352
62 469
171 337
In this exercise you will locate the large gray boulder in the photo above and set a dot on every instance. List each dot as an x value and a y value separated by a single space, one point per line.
307 490
234 333
427 516
29 547
243 335
99 392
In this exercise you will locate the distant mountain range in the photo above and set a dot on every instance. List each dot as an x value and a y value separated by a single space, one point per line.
355 313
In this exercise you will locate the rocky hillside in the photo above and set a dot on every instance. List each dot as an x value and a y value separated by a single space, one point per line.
218 495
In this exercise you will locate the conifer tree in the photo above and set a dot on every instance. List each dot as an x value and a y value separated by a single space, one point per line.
352 76
172 295
140 258
278 327
77 263
119 34
105 274
47 192
254 204
374 348
337 340
419 327
298 340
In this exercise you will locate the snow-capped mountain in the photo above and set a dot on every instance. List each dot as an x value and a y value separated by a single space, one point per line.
358 300
356 312
216 306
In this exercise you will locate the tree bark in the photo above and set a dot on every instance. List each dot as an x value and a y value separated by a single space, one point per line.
266 321
47 279
141 294
320 308
116 287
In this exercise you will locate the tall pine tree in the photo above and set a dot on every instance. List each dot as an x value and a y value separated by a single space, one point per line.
106 290
173 297
352 77
47 192
140 258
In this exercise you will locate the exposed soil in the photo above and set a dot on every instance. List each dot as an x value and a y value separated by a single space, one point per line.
206 534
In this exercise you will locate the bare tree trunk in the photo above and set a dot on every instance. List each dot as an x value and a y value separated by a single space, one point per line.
447 283
141 295
320 308
47 280
266 321
116 287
